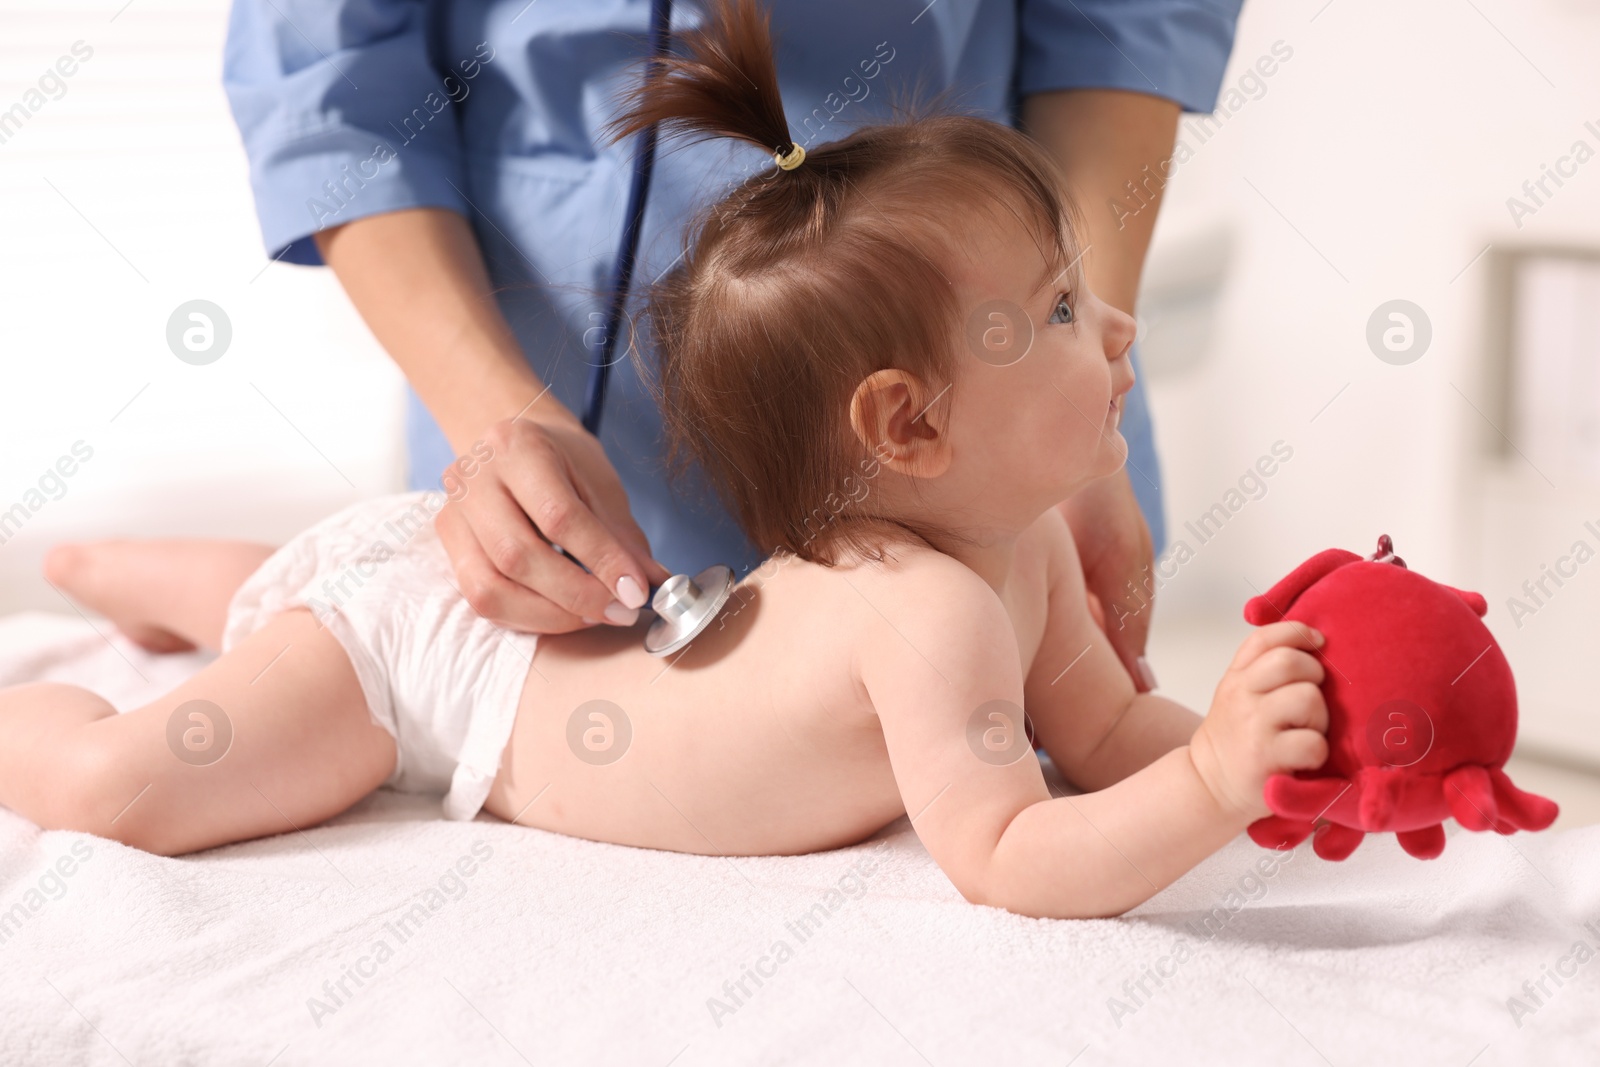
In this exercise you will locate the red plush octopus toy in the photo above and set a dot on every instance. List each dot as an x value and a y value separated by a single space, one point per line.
1422 711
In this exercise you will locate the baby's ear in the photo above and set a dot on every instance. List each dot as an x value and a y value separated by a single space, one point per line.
898 420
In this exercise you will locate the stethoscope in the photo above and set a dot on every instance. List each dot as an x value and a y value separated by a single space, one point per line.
684 606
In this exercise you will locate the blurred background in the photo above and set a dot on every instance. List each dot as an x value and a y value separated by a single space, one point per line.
1381 255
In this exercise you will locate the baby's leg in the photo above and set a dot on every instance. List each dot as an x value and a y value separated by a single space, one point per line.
303 748
167 595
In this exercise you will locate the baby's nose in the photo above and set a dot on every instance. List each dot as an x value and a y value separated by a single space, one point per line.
1120 331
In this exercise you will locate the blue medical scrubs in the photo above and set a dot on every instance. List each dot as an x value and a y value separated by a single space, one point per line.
492 108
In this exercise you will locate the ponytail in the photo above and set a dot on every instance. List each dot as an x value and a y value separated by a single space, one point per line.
725 85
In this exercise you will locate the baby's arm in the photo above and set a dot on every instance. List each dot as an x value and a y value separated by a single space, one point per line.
1097 729
945 652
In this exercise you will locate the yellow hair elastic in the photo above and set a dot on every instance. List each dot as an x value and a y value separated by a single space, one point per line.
795 156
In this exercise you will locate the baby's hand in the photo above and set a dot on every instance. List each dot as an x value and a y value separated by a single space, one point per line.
1267 717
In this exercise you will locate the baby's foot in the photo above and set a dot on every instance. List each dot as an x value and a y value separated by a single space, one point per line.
89 574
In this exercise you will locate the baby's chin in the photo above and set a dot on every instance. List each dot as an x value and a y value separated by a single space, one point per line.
1113 454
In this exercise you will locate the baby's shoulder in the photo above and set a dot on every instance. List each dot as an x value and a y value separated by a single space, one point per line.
921 600
914 576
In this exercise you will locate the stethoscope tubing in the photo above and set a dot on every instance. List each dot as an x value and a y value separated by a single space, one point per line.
633 222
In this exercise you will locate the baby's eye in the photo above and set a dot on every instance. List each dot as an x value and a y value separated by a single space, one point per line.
1063 308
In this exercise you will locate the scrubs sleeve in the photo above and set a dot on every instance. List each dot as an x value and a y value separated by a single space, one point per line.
343 114
1175 49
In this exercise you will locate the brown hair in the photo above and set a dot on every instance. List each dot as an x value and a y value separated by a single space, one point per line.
801 283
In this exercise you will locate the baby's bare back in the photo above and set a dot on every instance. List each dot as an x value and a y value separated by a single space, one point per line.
759 739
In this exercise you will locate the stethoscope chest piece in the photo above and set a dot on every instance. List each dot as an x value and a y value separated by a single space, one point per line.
685 606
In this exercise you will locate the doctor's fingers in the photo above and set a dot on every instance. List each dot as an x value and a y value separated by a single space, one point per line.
598 485
587 469
499 598
586 513
518 522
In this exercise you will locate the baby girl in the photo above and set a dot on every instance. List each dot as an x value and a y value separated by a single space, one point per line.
884 354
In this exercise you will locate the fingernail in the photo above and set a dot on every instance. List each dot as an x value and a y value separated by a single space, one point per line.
618 615
591 622
1318 637
1145 673
629 593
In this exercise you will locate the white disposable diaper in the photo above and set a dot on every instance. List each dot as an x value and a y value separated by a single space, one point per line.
443 680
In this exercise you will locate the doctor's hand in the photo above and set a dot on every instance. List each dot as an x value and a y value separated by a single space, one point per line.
545 483
1115 548
417 277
